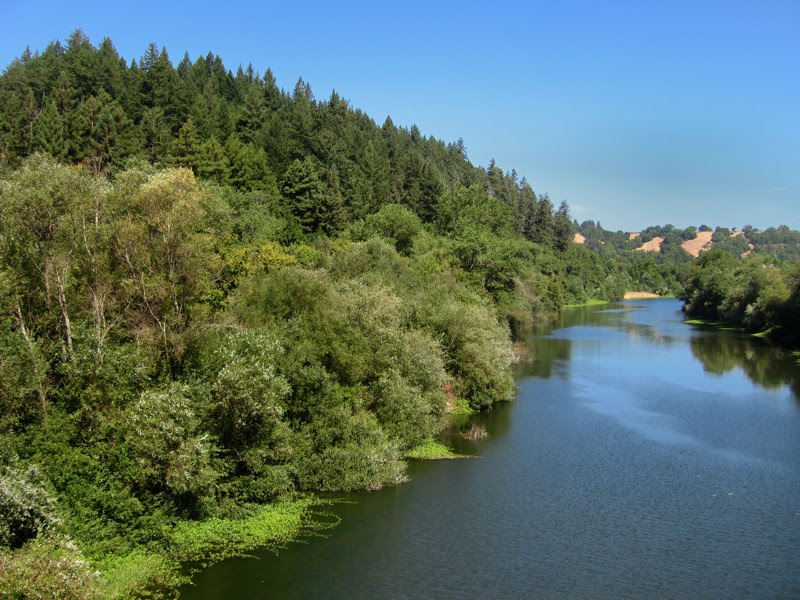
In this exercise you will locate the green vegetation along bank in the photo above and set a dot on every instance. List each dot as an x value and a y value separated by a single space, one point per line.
758 294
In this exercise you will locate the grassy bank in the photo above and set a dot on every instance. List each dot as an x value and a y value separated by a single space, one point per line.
54 567
432 450
723 326
590 302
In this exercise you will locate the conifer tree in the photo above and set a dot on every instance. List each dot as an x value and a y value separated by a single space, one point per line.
211 161
22 115
304 194
184 150
542 225
48 132
563 233
155 134
252 114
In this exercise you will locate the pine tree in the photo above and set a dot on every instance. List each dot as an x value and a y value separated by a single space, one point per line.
184 150
527 202
304 194
563 232
48 132
81 65
155 134
543 224
211 161
22 115
251 171
252 115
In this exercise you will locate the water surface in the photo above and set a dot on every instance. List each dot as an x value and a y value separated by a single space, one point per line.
641 458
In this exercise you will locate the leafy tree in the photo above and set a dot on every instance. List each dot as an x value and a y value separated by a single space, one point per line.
394 222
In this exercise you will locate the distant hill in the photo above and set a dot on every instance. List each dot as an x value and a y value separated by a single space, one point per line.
684 244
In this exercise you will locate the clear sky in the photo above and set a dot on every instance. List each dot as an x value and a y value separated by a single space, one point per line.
635 112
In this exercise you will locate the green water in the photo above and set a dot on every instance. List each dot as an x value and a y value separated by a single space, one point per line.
642 458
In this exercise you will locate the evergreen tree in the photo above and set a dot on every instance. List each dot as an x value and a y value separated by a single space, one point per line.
22 112
184 150
48 132
304 194
81 65
252 115
211 161
250 169
155 134
542 227
563 232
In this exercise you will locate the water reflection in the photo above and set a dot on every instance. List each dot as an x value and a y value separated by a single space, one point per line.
763 364
550 347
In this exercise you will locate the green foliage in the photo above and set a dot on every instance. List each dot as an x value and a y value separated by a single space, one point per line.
247 392
756 293
166 442
430 449
395 222
48 568
214 539
304 192
27 508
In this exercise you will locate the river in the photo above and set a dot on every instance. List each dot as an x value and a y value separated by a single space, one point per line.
641 458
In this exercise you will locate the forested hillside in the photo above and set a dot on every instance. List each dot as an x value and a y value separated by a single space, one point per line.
217 295
780 242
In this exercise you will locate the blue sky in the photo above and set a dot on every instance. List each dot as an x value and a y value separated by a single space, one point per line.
636 113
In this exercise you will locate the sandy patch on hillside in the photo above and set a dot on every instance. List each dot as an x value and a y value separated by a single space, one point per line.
699 244
653 245
640 295
634 235
749 252
579 239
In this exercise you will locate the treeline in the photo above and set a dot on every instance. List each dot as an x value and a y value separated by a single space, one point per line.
216 295
756 293
780 242
87 106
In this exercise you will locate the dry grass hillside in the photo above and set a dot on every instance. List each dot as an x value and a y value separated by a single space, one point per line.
699 244
653 245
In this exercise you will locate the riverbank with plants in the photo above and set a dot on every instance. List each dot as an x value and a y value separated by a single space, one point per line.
758 294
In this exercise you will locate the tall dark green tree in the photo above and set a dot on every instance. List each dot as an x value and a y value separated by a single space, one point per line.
542 226
184 150
563 233
48 132
305 195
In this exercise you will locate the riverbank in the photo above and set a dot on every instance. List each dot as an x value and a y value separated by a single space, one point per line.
158 569
590 302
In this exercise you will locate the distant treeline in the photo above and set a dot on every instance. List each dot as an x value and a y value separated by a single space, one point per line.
779 242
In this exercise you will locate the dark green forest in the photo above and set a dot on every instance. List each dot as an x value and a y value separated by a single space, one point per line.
218 296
